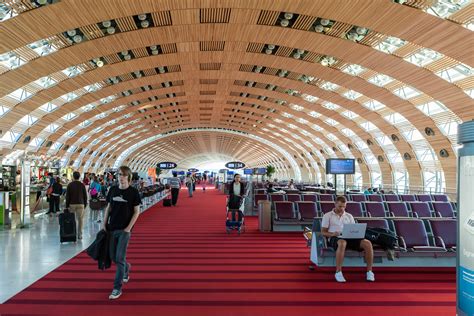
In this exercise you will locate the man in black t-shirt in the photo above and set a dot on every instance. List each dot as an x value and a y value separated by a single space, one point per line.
120 215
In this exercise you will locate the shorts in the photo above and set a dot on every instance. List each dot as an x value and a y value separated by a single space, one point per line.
352 244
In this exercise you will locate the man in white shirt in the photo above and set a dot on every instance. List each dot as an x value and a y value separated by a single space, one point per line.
331 227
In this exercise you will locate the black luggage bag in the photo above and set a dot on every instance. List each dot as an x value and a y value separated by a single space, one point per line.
382 237
167 202
67 227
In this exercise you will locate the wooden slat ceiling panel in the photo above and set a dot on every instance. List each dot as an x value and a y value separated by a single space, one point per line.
268 17
91 31
126 24
223 15
161 18
304 22
338 29
255 47
464 15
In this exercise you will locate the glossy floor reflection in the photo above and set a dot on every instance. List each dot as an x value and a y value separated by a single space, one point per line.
28 254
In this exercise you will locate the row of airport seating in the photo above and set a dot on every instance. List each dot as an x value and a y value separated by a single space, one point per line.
417 235
293 196
305 210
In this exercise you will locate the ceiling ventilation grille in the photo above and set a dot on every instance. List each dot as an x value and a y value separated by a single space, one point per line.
214 15
162 18
208 81
210 66
268 17
211 46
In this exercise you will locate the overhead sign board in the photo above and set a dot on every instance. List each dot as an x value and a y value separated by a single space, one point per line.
167 165
193 170
235 165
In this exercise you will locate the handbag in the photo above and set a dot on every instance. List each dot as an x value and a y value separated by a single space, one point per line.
94 191
49 191
167 202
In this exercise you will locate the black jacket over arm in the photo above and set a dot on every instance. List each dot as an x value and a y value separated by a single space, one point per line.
99 250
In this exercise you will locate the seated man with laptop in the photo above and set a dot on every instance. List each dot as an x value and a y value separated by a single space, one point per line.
342 232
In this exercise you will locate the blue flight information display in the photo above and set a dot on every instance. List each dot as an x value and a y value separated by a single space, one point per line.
248 171
340 166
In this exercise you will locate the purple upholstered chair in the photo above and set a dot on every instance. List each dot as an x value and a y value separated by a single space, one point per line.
407 197
326 197
391 197
398 209
293 197
440 197
375 198
308 210
443 209
413 236
444 232
357 197
326 207
420 209
375 209
355 209
285 210
423 197
310 197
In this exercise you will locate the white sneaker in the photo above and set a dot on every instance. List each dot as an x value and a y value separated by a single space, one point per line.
370 276
340 277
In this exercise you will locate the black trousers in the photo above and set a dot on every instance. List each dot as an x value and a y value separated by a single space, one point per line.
53 204
174 195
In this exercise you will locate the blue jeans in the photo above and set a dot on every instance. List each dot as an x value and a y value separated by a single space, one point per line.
118 250
190 190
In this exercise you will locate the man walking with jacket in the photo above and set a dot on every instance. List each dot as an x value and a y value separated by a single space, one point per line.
122 212
175 185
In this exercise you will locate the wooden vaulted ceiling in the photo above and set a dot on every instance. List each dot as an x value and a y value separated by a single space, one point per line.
212 69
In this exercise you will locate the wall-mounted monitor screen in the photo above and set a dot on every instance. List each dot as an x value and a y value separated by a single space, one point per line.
248 171
340 166
260 171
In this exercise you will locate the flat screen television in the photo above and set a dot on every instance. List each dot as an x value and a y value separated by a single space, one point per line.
248 171
260 171
340 166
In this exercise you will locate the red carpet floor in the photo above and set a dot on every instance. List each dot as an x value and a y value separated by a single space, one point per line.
183 263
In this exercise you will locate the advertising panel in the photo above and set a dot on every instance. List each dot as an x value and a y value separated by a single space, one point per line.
465 246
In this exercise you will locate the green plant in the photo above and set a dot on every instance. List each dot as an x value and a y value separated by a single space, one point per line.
270 171
158 171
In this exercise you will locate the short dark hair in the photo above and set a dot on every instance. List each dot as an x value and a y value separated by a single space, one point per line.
341 198
175 174
126 169
76 175
235 175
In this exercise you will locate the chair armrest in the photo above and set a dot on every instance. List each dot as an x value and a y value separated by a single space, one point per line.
368 214
438 214
439 242
415 215
402 244
391 214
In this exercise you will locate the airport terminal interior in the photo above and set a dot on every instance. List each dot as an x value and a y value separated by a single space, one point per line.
250 129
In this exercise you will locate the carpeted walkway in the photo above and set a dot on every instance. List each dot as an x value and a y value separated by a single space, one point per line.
183 263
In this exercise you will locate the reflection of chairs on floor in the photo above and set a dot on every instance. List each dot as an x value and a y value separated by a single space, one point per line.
98 205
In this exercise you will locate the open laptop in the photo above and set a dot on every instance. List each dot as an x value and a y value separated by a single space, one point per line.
353 231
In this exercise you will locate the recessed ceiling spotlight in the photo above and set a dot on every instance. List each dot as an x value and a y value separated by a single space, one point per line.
145 24
71 32
77 38
142 17
106 24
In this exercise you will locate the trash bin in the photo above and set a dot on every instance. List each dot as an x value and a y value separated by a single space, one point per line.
264 216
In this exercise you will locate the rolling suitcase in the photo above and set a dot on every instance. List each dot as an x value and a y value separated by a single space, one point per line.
67 227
